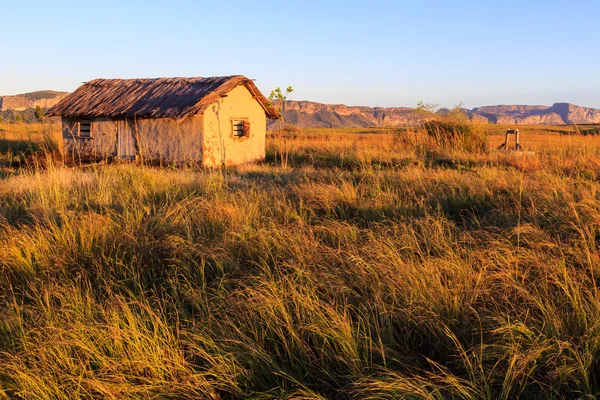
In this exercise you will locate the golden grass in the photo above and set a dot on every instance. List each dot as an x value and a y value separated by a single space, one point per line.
365 270
20 141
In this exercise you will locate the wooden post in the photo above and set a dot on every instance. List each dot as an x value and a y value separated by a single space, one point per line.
504 146
517 144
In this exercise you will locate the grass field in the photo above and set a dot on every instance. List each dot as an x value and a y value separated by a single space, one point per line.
367 269
20 141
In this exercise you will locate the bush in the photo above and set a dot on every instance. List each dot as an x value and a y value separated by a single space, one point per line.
29 115
456 135
445 134
39 114
290 130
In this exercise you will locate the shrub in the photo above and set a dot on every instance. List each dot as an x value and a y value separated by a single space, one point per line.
290 130
39 114
447 134
452 134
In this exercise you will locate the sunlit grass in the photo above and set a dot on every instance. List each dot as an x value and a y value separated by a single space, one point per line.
366 269
19 141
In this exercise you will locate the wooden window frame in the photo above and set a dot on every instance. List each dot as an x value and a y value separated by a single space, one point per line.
246 125
91 133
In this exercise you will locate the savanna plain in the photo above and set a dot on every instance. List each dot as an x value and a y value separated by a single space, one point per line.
374 265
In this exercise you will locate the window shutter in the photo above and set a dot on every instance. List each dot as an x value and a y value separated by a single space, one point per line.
246 128
84 128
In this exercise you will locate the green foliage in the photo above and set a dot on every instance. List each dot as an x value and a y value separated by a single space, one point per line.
280 96
426 109
43 94
39 114
29 115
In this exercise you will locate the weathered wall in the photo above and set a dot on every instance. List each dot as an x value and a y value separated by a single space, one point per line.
170 141
157 139
220 146
102 144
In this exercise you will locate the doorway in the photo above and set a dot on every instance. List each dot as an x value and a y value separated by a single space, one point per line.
125 141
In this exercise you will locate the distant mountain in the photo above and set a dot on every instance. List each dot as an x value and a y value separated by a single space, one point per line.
307 114
20 102
557 114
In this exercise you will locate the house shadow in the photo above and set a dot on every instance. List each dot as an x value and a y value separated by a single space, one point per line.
19 153
15 147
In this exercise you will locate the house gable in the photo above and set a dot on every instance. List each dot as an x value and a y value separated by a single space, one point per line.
220 145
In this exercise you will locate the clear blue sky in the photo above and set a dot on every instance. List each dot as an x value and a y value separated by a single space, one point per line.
378 53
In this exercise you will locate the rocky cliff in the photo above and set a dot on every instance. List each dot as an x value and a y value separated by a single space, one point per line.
572 114
557 114
307 114
20 102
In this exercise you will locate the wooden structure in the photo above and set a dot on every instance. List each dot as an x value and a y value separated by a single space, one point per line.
214 122
504 146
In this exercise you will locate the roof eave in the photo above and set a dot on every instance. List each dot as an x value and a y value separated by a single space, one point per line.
65 109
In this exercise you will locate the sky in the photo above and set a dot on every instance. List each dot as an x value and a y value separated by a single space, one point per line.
373 53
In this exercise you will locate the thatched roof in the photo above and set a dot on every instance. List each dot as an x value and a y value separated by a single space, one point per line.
174 98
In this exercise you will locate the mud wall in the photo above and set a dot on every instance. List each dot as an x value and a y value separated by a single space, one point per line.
102 144
220 146
156 140
168 141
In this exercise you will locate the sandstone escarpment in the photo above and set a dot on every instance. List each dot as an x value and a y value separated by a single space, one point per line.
17 103
557 114
307 114
573 114
42 99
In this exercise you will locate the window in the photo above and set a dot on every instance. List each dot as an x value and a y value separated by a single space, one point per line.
240 128
85 129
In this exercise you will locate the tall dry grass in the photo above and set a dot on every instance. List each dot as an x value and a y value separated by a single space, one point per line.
365 270
20 142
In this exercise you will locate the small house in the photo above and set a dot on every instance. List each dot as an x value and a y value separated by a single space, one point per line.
217 121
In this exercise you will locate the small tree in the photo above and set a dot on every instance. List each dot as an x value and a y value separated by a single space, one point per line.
281 97
426 110
39 113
